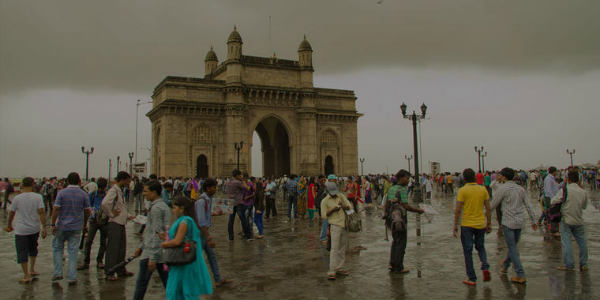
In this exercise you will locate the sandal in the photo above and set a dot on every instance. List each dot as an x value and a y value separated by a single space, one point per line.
111 278
342 273
565 268
25 280
520 280
223 282
331 277
469 282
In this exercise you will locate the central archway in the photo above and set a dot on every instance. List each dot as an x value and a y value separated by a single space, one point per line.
275 147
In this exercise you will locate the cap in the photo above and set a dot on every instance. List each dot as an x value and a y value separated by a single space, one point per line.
332 188
331 176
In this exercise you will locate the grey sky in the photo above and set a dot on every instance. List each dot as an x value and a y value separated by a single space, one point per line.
519 77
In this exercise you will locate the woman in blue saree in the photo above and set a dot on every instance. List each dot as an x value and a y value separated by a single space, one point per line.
191 280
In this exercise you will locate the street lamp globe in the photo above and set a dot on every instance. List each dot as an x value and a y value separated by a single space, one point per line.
423 109
403 108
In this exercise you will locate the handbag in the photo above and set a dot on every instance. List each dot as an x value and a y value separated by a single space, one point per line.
554 212
353 222
180 255
101 216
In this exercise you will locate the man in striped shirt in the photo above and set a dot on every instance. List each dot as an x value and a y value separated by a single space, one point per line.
513 198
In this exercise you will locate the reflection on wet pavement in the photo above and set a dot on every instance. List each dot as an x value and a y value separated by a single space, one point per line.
291 263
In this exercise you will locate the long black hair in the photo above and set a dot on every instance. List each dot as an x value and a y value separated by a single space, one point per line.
187 204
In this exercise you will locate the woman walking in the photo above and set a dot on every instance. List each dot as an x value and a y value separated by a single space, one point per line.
312 193
302 197
191 280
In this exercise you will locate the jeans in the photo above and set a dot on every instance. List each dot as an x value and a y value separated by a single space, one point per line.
58 244
293 200
93 227
578 231
271 207
144 276
258 220
323 236
240 210
249 216
468 237
512 236
398 250
212 260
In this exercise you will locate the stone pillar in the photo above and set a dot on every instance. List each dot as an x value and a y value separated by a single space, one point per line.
307 144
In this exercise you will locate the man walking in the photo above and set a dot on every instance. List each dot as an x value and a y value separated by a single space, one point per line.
113 205
159 217
235 190
574 200
333 209
471 200
69 216
291 187
28 207
95 225
270 190
513 199
203 209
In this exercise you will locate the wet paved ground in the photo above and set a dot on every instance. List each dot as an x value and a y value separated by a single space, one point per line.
291 263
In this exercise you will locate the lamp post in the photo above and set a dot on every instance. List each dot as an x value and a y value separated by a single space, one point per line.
483 156
130 154
362 170
479 150
568 152
87 159
109 168
118 163
417 195
238 147
408 158
137 108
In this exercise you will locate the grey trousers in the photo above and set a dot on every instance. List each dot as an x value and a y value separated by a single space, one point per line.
115 247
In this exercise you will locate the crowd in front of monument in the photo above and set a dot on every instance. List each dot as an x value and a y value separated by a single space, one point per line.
176 214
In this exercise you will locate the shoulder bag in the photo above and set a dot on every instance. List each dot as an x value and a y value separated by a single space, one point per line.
182 254
353 221
101 216
554 213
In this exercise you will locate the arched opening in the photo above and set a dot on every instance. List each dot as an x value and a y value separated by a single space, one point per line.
202 166
329 169
274 154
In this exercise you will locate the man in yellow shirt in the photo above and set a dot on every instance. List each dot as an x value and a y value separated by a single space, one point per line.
333 208
470 203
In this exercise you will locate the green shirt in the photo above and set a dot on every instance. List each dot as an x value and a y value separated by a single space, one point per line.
396 191
487 180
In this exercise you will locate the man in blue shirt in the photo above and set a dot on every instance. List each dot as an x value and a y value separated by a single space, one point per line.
292 192
203 207
69 217
95 199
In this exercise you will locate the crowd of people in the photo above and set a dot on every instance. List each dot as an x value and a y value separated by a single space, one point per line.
178 214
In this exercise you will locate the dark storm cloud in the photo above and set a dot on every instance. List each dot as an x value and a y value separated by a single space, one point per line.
132 45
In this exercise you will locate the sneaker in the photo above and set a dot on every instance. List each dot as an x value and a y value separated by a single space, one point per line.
486 275
57 278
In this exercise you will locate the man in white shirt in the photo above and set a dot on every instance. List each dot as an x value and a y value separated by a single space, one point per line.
571 222
28 207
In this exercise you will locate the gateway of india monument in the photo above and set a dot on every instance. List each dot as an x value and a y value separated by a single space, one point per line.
196 122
